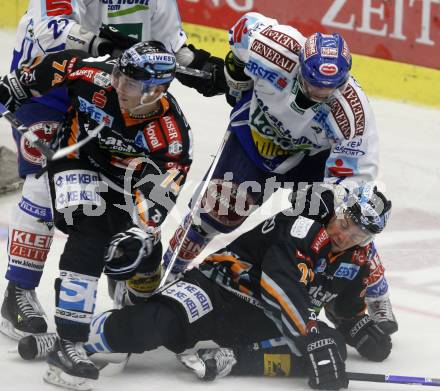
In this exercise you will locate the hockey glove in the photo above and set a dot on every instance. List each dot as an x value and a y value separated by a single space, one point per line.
237 81
125 253
116 41
366 337
216 85
325 366
12 92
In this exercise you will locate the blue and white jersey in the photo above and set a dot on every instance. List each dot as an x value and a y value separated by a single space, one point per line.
146 20
281 130
44 29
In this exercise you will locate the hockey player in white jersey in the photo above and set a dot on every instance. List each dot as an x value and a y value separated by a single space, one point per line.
49 27
298 117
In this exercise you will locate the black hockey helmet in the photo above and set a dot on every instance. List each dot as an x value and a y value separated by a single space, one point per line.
148 62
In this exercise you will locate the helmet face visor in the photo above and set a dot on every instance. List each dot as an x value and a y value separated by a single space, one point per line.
315 93
127 85
344 233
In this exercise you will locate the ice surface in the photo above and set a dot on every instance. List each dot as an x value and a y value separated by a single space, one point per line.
410 249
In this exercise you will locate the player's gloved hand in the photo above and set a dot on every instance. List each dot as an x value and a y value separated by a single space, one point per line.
113 41
325 366
366 337
203 60
13 92
237 81
125 253
5 93
316 201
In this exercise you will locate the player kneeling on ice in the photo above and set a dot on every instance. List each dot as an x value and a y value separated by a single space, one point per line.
124 181
269 283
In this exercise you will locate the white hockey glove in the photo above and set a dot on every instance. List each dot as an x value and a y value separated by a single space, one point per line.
125 253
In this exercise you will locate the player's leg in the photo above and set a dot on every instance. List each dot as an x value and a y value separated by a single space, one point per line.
85 213
235 190
30 229
270 357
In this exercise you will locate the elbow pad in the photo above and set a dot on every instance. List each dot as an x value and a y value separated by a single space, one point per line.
81 39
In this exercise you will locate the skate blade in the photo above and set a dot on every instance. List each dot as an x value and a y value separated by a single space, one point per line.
10 331
110 364
59 378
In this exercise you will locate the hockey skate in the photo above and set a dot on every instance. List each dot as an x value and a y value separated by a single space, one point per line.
21 313
69 366
381 311
35 347
209 364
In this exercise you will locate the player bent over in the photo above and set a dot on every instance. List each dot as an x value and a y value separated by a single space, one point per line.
298 116
56 27
269 283
122 182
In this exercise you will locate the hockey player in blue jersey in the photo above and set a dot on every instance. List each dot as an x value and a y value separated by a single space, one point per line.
298 118
49 27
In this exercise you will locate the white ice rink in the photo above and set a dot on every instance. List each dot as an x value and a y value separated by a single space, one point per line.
410 249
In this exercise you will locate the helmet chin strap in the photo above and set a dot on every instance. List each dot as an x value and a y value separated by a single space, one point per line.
143 104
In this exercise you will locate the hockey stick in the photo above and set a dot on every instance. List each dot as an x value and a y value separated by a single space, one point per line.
193 72
409 380
48 153
192 212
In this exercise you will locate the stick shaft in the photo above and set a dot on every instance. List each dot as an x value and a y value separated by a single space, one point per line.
193 211
193 72
379 378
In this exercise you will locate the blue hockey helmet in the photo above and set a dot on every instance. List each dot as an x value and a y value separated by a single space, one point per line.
149 63
369 209
325 60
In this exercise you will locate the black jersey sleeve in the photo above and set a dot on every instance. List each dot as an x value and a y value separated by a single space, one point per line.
351 301
285 277
49 72
156 192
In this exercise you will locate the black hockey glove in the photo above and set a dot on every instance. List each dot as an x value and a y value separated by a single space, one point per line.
12 92
237 81
325 366
115 41
316 202
125 253
203 60
366 337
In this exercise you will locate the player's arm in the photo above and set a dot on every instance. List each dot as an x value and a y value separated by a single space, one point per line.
238 82
39 78
284 291
347 312
354 154
138 249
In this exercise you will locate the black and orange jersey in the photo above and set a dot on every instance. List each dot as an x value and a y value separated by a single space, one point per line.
157 149
285 264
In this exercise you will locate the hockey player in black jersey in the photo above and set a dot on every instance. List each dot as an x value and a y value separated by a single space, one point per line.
122 182
268 285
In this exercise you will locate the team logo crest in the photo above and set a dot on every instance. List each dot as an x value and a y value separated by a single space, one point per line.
45 131
328 69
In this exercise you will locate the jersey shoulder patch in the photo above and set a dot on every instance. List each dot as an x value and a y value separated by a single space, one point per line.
349 112
301 227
